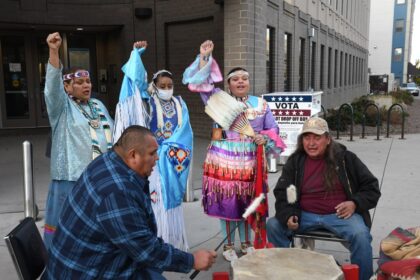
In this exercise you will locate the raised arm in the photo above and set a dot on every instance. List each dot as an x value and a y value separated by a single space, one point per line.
55 96
206 50
203 73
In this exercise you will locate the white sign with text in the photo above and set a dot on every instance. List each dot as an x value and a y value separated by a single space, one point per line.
291 110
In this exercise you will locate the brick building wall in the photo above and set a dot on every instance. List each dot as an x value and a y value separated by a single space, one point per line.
238 28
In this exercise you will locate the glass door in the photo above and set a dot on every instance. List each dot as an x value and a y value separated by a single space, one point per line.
23 59
14 92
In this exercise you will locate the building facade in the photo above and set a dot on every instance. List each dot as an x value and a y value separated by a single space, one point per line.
289 45
391 28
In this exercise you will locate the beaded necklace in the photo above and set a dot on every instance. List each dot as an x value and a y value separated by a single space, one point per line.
94 120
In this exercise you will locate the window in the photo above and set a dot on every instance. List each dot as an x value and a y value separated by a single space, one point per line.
397 54
345 69
321 67
287 48
341 69
400 1
350 70
335 68
347 9
399 25
329 67
301 63
313 64
353 78
270 59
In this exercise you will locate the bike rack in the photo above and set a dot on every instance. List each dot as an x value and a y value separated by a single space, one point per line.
339 119
378 116
324 113
403 119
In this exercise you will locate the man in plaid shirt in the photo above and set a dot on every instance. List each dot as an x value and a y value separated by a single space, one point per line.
107 228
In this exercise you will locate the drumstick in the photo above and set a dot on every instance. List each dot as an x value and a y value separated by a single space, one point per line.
248 211
291 196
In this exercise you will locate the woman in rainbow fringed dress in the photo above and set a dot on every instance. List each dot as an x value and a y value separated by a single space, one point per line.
229 169
81 130
154 106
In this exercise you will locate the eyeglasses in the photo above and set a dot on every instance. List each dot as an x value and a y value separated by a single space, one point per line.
78 74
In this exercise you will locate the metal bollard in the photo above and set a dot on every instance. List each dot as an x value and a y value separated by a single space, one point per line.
189 191
272 164
28 184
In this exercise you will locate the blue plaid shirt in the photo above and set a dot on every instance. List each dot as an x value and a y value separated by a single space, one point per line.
107 229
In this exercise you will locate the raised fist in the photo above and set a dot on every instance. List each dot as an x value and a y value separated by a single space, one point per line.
54 41
140 44
206 48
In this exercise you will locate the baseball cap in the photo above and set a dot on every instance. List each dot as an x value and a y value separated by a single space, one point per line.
315 125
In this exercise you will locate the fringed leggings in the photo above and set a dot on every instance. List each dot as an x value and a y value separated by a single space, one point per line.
243 227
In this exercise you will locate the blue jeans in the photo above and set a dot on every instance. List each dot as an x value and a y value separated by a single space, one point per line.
352 229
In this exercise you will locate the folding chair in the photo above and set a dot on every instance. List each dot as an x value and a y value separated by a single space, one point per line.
320 234
27 250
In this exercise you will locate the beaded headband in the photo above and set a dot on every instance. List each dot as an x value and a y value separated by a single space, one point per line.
237 73
160 72
77 74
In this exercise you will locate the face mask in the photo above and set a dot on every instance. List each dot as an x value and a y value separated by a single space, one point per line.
165 94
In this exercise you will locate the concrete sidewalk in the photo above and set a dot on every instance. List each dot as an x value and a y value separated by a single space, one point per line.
392 160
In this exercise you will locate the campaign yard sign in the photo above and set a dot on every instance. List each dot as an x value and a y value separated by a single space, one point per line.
291 110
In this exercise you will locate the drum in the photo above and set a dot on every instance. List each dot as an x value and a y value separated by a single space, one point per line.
286 263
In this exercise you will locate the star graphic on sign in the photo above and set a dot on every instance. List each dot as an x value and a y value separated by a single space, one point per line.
287 98
280 99
280 113
273 98
294 98
287 112
301 98
294 113
301 113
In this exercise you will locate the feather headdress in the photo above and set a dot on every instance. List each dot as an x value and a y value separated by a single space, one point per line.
229 113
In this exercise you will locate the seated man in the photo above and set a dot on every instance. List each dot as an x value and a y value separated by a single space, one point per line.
333 190
107 229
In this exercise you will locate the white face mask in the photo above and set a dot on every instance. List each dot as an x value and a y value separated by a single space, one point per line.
165 94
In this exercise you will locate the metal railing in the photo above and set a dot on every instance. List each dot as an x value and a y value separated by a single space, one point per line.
402 119
378 119
343 106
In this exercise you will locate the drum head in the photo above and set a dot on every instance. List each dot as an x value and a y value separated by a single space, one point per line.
286 263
